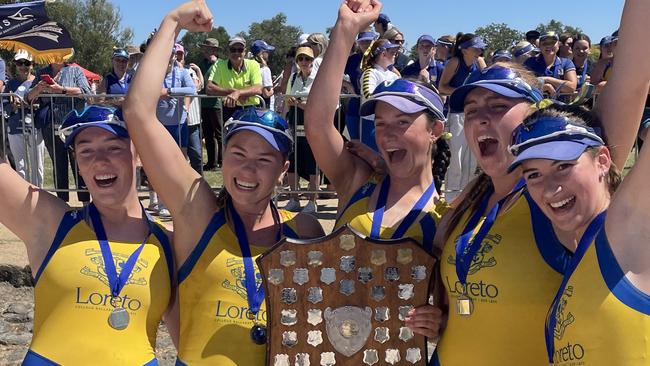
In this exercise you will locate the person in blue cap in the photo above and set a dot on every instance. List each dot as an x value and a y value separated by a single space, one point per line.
261 52
105 269
382 24
117 81
425 68
466 58
558 74
216 237
603 68
353 86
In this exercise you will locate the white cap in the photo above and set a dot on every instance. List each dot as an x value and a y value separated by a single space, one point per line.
22 54
302 39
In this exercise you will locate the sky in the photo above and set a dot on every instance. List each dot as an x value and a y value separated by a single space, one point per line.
597 18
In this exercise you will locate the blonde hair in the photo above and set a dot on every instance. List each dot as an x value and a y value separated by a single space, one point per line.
321 40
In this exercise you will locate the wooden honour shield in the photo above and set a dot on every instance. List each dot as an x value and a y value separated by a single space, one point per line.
342 299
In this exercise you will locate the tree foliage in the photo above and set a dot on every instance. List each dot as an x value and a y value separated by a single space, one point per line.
557 27
276 32
498 36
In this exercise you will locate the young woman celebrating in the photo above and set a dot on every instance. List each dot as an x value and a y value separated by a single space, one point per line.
408 120
103 273
222 314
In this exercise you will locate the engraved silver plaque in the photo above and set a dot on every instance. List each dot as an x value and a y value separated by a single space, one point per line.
347 287
382 314
365 274
289 317
281 360
301 276
378 292
404 256
289 295
276 276
348 328
302 359
405 291
391 274
327 359
413 355
348 263
378 257
370 357
405 334
382 335
314 337
392 356
347 242
315 295
327 275
315 258
288 258
289 338
404 311
418 273
314 316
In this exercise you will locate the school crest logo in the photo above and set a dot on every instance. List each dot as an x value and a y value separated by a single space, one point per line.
98 269
236 267
482 258
562 318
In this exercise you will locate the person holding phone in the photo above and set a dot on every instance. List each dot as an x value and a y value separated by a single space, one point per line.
425 68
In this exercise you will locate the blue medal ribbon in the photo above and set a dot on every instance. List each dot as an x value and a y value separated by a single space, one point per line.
585 242
581 79
467 247
378 215
116 282
254 294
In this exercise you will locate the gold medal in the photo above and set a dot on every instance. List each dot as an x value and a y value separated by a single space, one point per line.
464 305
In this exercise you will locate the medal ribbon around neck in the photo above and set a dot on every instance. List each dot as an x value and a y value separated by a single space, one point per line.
254 294
378 215
585 242
466 248
116 282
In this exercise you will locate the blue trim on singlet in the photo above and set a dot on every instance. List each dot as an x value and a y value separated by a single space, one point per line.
549 246
618 284
69 220
217 221
428 226
288 232
34 359
361 193
434 359
180 363
159 233
113 85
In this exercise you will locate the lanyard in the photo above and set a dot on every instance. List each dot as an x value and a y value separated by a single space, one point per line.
254 294
116 282
585 242
173 78
581 80
466 249
378 215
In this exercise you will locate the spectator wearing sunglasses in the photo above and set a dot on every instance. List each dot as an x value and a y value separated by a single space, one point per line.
236 79
396 37
558 74
21 125
466 58
217 238
581 52
425 68
566 46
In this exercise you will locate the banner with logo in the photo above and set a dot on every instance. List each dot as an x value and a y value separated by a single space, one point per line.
26 26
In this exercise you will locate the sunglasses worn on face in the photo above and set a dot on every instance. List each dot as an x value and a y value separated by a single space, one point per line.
546 129
398 41
304 58
23 63
236 50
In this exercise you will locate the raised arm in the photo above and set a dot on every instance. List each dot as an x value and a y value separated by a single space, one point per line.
182 189
619 106
448 74
342 168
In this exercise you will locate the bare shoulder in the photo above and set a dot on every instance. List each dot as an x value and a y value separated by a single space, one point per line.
308 226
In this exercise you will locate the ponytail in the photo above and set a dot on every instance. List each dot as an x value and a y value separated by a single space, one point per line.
470 203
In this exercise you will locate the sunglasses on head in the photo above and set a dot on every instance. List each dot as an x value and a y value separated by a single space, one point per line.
91 115
504 76
258 117
23 63
407 89
236 49
547 129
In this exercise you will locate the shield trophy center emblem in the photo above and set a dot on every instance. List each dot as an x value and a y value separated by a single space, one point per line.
348 328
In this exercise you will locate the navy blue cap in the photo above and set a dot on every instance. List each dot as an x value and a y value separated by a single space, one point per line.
426 38
260 46
120 53
501 54
366 36
383 19
476 42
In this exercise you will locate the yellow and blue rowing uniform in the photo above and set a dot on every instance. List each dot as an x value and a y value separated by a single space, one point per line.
72 299
511 280
356 214
602 318
215 319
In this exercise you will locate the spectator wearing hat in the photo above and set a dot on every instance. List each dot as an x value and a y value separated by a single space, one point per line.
376 71
135 55
501 56
21 127
524 50
557 73
532 36
444 46
210 107
566 46
603 67
289 69
117 81
396 37
466 58
261 51
353 86
581 52
425 68
382 24
236 79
